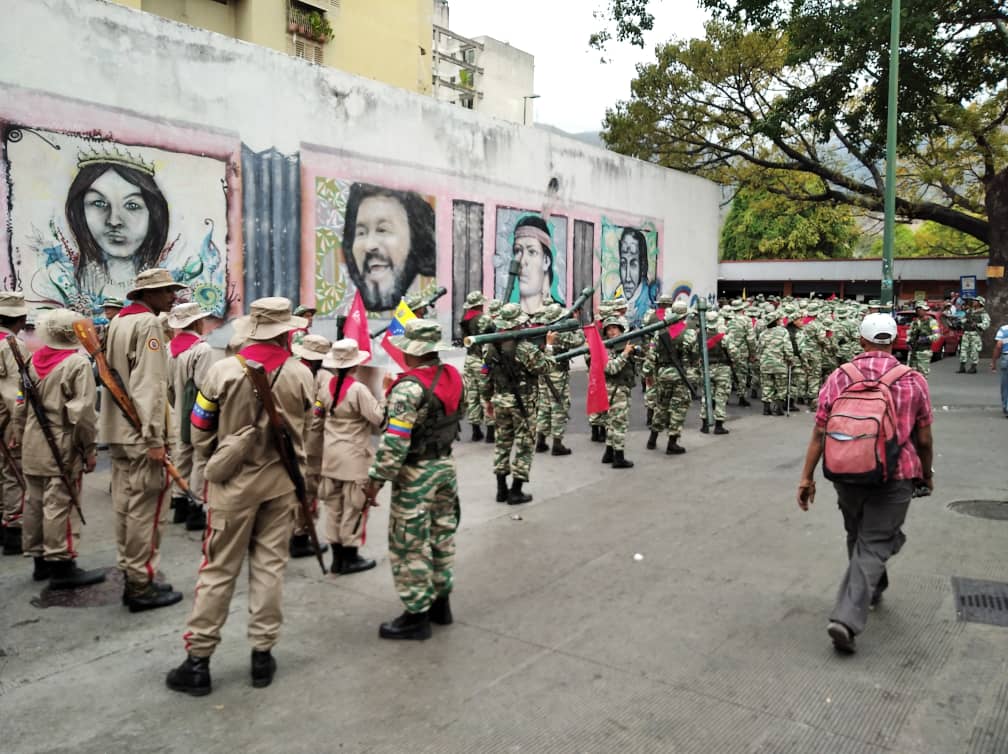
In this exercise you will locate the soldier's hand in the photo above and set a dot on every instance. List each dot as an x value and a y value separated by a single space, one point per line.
371 490
551 338
156 454
806 493
89 463
628 349
387 381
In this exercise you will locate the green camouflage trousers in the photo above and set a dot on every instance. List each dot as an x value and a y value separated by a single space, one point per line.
720 378
969 348
553 414
618 417
514 431
597 420
812 362
471 380
920 361
799 379
422 522
740 373
774 386
672 401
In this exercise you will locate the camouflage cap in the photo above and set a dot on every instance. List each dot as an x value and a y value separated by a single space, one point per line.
874 303
773 316
981 300
415 301
737 304
680 307
302 309
665 299
420 337
549 313
712 316
474 299
619 302
510 317
110 302
650 317
919 304
616 321
494 305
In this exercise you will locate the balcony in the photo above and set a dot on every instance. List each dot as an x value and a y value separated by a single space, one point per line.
308 23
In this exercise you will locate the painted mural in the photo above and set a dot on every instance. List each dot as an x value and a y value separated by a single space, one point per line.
376 240
541 247
88 213
629 266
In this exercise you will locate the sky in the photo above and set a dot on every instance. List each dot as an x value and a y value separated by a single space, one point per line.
574 88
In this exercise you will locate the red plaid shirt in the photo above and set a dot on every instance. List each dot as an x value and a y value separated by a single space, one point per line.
910 394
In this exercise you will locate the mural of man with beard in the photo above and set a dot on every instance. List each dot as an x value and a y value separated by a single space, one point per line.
388 239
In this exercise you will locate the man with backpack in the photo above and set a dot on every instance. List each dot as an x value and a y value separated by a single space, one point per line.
873 431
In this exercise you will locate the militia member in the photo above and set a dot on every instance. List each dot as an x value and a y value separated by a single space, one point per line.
65 385
776 356
554 387
741 342
135 350
417 303
665 362
190 357
720 367
424 407
975 324
920 335
474 322
250 496
597 421
13 315
793 323
346 415
620 374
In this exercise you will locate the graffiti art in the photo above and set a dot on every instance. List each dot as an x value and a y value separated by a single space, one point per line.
630 266
540 247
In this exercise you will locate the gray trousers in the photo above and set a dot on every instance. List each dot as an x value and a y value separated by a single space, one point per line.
872 517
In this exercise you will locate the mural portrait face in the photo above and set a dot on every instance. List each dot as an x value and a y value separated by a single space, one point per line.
116 215
633 264
533 249
539 246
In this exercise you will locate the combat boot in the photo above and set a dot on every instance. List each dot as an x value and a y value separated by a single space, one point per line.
674 448
491 434
516 496
962 368
650 416
603 433
301 546
66 575
559 449
407 626
12 540
160 586
972 369
196 520
263 668
620 462
792 406
440 611
777 409
477 433
502 488
608 455
337 557
42 570
704 427
191 677
767 411
354 563
652 441
719 428
541 446
151 598
754 393
596 435
180 510
742 401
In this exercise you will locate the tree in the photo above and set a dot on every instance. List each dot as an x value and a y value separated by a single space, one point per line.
800 86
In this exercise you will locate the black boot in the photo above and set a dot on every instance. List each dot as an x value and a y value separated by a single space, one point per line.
674 448
603 433
704 427
962 368
541 446
767 411
754 393
66 575
620 462
180 510
477 433
337 557
516 496
652 441
490 435
742 400
12 540
263 668
559 449
502 488
440 611
43 569
719 428
151 598
354 563
301 547
407 626
650 416
595 433
607 457
777 409
191 677
972 369
792 405
196 520
157 585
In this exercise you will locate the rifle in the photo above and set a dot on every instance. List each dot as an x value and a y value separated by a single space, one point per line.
619 339
578 302
284 444
561 325
31 395
110 379
677 364
512 380
430 300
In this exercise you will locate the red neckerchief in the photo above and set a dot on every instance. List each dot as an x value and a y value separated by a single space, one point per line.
806 320
714 340
270 355
137 307
182 342
47 359
676 329
344 388
449 385
471 314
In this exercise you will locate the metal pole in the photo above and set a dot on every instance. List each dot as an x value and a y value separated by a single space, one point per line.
886 296
702 311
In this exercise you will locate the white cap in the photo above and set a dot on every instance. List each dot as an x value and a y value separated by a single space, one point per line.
879 328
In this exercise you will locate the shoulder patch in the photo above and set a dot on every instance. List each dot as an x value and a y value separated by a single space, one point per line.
154 344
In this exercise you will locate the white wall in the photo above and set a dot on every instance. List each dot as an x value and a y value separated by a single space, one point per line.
509 76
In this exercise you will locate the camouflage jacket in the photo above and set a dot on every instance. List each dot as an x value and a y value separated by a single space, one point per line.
776 353
919 331
654 365
742 338
527 362
976 322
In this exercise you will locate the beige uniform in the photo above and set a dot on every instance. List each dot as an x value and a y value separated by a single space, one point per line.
11 494
252 513
191 363
135 350
344 436
312 478
50 526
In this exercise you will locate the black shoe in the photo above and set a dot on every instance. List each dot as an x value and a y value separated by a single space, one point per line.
407 626
477 433
559 449
704 427
43 569
972 369
767 411
962 368
180 508
754 393
490 435
160 586
541 446
876 597
603 433
792 406
652 441
516 496
843 639
595 433
151 598
620 462
440 611
263 668
301 546
337 556
674 448
66 575
196 520
354 563
502 488
607 457
12 540
742 400
719 428
777 409
191 677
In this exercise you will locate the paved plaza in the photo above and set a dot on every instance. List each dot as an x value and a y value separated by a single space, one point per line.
713 641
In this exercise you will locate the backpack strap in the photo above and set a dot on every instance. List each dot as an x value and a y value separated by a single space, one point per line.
896 373
852 372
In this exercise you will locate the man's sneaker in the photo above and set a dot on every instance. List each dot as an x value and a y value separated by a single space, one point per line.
843 639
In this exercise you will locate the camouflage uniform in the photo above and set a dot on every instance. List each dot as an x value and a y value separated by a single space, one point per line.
811 349
799 376
555 397
920 335
672 392
475 323
741 338
719 362
974 325
776 355
621 374
597 421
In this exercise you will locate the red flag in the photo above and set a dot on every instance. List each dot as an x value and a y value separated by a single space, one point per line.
356 327
394 353
598 395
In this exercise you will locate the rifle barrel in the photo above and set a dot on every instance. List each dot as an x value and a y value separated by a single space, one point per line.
618 340
561 325
578 302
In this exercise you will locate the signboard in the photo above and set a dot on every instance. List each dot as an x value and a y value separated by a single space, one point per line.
995 271
967 285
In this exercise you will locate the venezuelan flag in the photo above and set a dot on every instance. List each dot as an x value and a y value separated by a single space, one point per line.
397 326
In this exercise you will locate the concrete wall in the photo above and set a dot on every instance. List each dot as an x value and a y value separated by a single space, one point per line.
509 77
249 166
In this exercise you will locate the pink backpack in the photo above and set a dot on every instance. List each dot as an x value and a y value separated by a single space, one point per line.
861 445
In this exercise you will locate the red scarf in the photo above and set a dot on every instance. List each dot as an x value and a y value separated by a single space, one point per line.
676 328
347 382
182 343
137 307
47 359
449 385
471 314
270 355
714 340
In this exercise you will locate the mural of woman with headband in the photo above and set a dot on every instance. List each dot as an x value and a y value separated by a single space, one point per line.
537 285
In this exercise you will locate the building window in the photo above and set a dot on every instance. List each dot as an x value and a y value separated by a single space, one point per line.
304 49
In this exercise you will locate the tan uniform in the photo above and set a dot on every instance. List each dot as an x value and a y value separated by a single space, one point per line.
193 362
50 526
345 434
312 478
11 494
135 350
252 513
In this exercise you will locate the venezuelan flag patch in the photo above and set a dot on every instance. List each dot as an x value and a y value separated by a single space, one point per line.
399 428
319 409
20 397
204 413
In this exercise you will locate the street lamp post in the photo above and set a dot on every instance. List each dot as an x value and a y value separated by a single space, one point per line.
889 228
525 100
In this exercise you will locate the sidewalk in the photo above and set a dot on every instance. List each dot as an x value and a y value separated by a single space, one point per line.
713 642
